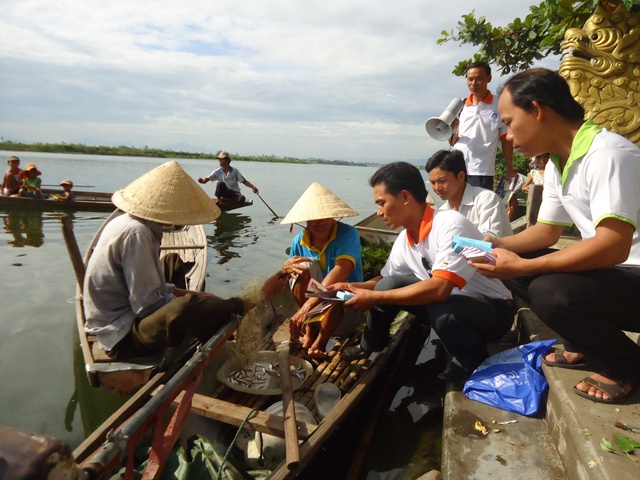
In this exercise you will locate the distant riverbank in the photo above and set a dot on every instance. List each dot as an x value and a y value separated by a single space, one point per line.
124 151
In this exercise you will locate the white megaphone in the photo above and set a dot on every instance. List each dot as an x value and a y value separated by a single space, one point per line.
439 128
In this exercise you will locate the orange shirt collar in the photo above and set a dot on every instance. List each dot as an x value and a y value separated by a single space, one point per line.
425 226
487 99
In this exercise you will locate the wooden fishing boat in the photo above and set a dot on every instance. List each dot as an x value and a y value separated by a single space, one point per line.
190 243
374 231
83 201
228 206
221 406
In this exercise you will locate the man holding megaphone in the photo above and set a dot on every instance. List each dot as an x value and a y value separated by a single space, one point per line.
479 130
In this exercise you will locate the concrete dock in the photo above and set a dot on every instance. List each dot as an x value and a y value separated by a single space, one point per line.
563 442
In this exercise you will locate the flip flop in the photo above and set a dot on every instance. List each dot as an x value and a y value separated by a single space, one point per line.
561 362
615 391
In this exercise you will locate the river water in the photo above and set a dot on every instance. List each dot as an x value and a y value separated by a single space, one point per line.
40 385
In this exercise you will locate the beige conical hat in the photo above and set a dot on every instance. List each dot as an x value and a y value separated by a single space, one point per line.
316 203
167 194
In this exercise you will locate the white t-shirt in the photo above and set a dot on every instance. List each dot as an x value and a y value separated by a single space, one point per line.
485 210
601 180
435 246
232 180
479 133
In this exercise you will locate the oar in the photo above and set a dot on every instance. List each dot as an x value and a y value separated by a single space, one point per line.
282 340
274 213
79 186
72 248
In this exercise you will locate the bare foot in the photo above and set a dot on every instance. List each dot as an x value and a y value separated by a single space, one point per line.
570 357
596 392
306 340
317 354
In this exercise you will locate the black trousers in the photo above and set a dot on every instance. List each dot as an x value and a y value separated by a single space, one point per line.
483 181
590 310
222 191
464 323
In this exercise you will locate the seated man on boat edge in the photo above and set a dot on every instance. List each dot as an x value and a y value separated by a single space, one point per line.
587 292
12 177
229 178
426 277
448 176
127 303
327 251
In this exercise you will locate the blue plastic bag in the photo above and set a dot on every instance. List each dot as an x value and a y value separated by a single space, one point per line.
511 380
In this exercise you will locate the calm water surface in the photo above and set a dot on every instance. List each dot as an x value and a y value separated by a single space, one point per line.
41 391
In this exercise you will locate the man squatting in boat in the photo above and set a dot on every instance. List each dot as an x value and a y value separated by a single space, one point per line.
327 251
128 304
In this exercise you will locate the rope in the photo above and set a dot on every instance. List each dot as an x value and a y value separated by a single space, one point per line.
228 452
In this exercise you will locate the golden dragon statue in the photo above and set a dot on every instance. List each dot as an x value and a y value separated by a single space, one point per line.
601 63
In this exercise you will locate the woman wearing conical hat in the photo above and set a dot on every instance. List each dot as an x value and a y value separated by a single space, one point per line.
128 304
327 251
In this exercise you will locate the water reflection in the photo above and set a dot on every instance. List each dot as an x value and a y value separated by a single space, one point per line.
232 232
25 226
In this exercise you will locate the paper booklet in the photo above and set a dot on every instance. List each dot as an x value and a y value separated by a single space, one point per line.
474 250
329 297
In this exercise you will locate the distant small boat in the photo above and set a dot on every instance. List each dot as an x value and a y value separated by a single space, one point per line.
83 201
227 206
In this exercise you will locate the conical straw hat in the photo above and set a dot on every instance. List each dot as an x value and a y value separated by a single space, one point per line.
316 203
167 194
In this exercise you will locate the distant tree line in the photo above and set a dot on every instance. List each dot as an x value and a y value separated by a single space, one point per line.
122 150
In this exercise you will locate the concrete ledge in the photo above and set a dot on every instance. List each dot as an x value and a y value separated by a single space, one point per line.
577 424
562 444
522 450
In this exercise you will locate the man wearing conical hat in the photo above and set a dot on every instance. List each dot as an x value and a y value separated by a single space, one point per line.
128 304
327 251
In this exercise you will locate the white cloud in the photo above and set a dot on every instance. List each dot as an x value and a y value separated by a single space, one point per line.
331 79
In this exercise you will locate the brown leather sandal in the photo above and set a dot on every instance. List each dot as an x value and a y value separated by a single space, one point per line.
615 391
561 362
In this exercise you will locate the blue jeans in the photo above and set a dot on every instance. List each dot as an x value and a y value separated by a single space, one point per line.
464 323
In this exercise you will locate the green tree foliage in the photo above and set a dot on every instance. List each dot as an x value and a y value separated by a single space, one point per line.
521 164
518 45
373 259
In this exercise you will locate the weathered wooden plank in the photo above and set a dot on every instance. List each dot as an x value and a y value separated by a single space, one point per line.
233 414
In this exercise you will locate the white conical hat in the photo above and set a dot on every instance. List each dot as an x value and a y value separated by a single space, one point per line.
316 203
167 194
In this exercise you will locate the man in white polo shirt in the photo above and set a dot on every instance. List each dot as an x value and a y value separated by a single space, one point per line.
587 292
480 129
486 210
423 275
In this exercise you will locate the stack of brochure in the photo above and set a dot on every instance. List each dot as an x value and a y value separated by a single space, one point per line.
474 254
329 297
316 289
474 250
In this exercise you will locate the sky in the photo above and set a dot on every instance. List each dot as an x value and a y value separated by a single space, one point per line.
333 79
